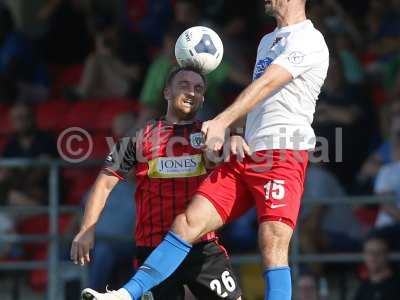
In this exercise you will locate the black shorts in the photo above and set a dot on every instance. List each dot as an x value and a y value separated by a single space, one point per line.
206 271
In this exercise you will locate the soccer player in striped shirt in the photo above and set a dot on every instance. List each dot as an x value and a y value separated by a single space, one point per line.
169 165
291 66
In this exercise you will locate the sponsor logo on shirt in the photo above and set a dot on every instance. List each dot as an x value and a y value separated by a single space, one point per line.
177 167
261 66
196 140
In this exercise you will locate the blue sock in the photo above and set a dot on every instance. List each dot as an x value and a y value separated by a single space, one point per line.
278 284
160 264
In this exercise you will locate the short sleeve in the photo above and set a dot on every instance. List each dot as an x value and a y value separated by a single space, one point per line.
298 57
122 158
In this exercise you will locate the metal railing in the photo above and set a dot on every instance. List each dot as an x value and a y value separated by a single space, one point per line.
53 263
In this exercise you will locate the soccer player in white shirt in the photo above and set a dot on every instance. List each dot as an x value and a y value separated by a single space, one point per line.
291 67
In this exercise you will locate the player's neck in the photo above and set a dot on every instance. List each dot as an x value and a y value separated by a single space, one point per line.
287 19
173 119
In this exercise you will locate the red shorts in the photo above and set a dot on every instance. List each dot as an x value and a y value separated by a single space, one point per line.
273 180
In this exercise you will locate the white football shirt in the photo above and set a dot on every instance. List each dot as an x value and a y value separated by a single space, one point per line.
283 120
388 182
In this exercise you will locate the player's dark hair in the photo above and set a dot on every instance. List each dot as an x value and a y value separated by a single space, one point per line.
177 70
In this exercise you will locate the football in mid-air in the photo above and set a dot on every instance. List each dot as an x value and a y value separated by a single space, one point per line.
200 47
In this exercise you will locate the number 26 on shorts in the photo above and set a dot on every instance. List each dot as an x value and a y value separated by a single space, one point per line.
228 282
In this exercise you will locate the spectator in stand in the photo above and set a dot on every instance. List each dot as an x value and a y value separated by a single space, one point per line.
383 282
307 287
116 66
28 186
124 124
186 13
348 107
67 41
6 227
327 228
21 76
388 184
352 68
383 28
388 152
151 17
27 141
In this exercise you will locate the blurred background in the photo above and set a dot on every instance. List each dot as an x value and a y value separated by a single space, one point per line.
100 65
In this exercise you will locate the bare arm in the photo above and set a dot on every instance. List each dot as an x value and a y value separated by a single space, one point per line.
214 130
274 78
84 240
97 198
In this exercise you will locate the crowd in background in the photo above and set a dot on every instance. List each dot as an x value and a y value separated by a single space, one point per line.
56 54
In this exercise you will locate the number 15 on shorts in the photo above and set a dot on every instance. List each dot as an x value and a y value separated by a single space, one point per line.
275 190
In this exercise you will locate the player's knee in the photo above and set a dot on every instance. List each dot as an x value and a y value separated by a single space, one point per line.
274 239
186 227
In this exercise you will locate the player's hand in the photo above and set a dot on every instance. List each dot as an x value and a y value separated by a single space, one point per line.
239 147
81 246
214 135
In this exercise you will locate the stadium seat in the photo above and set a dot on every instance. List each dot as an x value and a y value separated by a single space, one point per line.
77 182
71 76
5 127
64 77
83 114
111 108
49 114
100 145
3 142
39 251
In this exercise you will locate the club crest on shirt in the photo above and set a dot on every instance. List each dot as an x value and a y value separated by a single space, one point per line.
196 140
296 57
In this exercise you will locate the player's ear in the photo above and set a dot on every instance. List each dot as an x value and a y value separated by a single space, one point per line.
167 93
202 102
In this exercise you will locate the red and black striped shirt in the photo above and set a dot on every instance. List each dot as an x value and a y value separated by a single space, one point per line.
169 167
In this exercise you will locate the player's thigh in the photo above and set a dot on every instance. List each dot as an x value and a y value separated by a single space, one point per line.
215 278
225 190
199 218
277 182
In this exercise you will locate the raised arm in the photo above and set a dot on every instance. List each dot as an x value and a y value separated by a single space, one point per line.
272 80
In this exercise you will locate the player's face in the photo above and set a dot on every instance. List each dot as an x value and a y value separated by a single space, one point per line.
272 7
186 94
